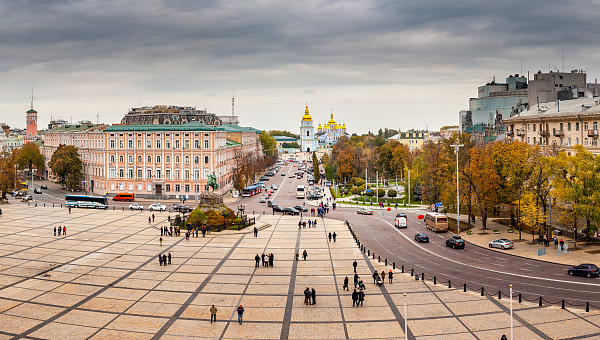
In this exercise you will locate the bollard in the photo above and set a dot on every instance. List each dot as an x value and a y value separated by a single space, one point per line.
563 304
423 276
368 252
412 272
434 280
52 205
373 256
113 208
44 205
36 204
540 301
499 295
386 262
379 258
61 205
519 297
465 288
394 265
403 269
482 291
252 212
449 284
416 277
123 208
587 306
28 204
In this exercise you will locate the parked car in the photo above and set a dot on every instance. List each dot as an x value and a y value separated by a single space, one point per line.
135 206
158 206
37 191
277 208
501 243
283 174
585 269
27 198
291 175
365 211
43 187
273 186
421 237
262 199
183 209
301 208
290 211
455 242
271 203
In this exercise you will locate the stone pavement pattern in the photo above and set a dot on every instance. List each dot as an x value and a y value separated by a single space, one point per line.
103 281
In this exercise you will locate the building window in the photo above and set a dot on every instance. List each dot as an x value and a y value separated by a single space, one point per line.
595 141
196 188
186 175
187 159
121 173
168 187
112 158
177 188
577 127
186 144
585 126
177 159
120 143
112 144
528 127
168 174
158 173
205 159
576 140
569 141
157 159
158 144
533 127
206 143
527 140
148 144
130 173
585 141
139 173
534 138
196 144
561 126
148 173
196 174
149 159
177 175
139 158
196 159
130 159
168 159
112 173
121 159
130 144
177 144
187 188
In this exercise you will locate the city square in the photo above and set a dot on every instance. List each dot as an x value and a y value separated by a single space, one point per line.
103 281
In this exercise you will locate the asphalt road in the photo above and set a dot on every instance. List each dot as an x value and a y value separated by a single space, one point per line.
477 267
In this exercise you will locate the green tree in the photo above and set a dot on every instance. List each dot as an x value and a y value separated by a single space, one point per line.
325 159
292 145
29 156
268 143
380 192
392 193
329 172
67 166
285 133
197 218
316 169
7 171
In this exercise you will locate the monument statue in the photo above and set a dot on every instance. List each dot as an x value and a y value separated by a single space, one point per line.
212 182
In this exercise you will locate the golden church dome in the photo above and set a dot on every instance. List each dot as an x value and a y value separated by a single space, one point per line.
344 126
319 128
331 121
306 116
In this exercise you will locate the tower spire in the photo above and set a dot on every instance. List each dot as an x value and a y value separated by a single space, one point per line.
32 98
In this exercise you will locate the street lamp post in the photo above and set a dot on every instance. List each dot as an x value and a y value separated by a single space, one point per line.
406 320
511 313
456 148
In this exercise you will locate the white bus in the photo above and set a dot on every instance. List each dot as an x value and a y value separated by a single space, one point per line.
300 192
81 201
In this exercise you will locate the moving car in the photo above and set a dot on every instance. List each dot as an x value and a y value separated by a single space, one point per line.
37 191
135 206
290 211
262 199
422 237
455 242
291 175
274 187
27 198
585 269
401 221
183 209
277 208
501 243
283 174
158 206
128 197
271 203
301 208
365 211
43 187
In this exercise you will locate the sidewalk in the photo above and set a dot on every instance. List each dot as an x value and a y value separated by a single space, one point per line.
524 247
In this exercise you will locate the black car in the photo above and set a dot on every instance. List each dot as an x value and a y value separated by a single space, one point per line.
585 269
277 208
183 209
264 178
43 187
301 208
422 237
290 211
455 242
400 215
37 191
271 203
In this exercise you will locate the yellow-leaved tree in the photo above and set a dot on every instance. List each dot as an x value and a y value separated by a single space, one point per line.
531 214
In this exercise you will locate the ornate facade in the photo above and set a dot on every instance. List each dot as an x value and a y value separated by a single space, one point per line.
308 143
169 115
329 133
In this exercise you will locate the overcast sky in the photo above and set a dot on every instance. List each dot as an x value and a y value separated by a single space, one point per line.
396 64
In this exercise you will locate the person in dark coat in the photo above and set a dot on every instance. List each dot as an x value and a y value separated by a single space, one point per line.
159 260
354 298
375 276
329 236
304 254
345 283
152 217
307 293
54 231
271 260
165 259
169 258
391 276
257 259
355 280
334 236
361 298
313 295
354 264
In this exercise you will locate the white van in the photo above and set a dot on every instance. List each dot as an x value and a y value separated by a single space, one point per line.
401 222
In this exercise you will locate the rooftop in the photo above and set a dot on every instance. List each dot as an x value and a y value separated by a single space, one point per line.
237 128
192 126
284 139
580 106
75 127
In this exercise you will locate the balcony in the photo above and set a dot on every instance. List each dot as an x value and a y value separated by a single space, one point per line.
592 133
544 133
521 133
559 133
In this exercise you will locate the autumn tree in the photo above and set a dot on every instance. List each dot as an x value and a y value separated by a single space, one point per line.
67 166
316 170
269 145
7 171
29 156
483 180
531 214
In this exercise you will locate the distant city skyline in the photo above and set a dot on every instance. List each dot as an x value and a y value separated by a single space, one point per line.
377 64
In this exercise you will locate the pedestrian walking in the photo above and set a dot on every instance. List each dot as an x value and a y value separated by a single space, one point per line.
169 257
313 295
355 280
149 222
345 283
334 236
375 276
165 259
297 257
361 297
304 254
59 230
65 231
307 293
54 231
561 242
213 314
263 259
315 223
329 236
271 259
382 276
203 231
159 260
240 311
503 337
299 224
169 218
390 276
160 240
255 232
69 210
354 264
152 217
555 242
162 231
355 298
257 259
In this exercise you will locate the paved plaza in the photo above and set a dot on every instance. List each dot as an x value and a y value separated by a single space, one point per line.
103 281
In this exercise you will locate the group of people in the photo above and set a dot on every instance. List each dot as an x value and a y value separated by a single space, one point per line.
334 235
379 279
310 223
310 296
170 231
267 260
358 297
163 259
63 229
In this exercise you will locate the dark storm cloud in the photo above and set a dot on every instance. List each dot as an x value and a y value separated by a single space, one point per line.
205 46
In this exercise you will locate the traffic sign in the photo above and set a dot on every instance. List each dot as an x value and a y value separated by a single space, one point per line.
458 218
438 204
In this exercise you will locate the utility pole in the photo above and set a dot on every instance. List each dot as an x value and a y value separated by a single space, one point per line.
409 188
456 148
377 187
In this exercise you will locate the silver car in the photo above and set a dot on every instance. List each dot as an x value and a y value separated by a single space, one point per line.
502 244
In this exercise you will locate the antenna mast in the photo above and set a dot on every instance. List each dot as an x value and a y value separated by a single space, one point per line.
233 104
32 98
